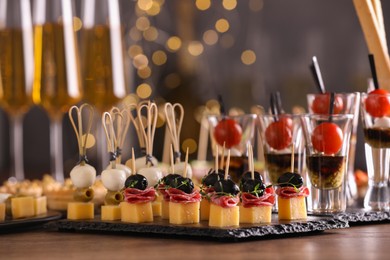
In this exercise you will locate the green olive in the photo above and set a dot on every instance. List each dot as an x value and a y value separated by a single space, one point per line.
113 198
83 194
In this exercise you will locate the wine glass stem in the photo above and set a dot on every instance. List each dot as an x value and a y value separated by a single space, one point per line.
56 159
16 136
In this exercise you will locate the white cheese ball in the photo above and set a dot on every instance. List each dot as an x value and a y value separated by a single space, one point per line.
113 179
152 174
382 122
141 162
83 176
179 169
122 167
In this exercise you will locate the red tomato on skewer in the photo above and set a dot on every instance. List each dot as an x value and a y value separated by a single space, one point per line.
321 104
327 137
377 103
279 134
229 132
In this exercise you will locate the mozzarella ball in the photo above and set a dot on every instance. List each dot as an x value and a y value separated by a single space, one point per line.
141 162
382 122
122 167
113 179
83 176
152 174
179 169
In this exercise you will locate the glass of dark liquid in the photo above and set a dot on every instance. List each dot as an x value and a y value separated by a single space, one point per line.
281 135
232 133
327 139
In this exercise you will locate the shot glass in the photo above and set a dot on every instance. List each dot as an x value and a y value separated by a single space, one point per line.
345 103
327 141
375 110
281 136
235 133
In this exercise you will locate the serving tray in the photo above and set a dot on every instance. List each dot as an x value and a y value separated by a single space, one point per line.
275 229
361 217
24 223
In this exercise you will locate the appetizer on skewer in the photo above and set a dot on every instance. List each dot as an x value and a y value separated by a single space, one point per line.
257 199
223 202
82 175
113 178
207 187
184 200
138 198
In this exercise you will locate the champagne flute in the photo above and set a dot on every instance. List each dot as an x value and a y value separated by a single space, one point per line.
57 79
16 73
102 60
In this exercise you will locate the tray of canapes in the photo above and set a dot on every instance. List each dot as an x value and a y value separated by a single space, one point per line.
14 224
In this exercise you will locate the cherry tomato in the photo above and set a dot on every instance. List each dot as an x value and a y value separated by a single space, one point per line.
321 104
327 137
286 120
229 132
278 135
377 103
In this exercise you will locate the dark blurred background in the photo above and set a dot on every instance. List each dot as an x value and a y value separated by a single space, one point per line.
242 50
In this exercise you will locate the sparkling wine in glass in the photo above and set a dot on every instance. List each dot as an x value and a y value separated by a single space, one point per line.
102 59
56 80
16 73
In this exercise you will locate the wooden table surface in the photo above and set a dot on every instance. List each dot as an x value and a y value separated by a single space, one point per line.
359 242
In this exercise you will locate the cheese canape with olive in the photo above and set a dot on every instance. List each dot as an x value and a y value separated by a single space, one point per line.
83 175
257 199
184 200
224 210
138 198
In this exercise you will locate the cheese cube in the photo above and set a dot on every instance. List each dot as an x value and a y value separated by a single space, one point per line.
40 205
157 208
204 209
22 207
223 217
2 211
255 215
80 210
292 208
136 212
184 213
110 212
164 209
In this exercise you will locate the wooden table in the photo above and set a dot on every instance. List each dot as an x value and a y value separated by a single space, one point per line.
360 242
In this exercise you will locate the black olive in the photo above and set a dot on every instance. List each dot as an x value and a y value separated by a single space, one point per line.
253 186
137 181
212 177
248 175
226 186
184 184
290 179
170 179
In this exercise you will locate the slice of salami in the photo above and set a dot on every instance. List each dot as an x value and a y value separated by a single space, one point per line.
250 200
133 195
224 201
291 192
179 196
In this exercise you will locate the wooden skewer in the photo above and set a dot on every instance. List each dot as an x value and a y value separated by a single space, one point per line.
185 165
174 115
216 158
377 6
227 165
110 136
82 144
122 118
132 161
250 161
292 156
149 130
172 161
223 155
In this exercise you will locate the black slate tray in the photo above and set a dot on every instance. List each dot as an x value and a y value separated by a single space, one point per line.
11 225
276 229
362 217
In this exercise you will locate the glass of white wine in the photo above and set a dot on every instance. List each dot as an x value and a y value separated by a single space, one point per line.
102 60
57 78
16 73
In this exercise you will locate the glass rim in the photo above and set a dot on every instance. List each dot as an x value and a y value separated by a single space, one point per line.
232 117
355 93
334 116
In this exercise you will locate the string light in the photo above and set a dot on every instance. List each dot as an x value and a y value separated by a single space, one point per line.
195 48
210 37
159 58
203 5
248 57
222 25
229 4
